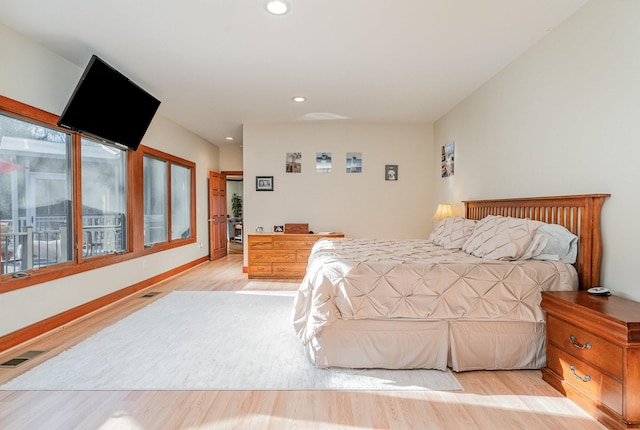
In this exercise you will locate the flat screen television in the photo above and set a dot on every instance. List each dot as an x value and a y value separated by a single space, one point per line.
107 105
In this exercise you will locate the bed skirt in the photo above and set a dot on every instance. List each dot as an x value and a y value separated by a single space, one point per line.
461 345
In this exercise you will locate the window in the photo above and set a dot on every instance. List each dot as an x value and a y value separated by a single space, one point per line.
180 202
36 195
104 199
67 200
156 213
168 201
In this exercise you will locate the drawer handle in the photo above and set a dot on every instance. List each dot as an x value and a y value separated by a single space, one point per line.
586 378
572 338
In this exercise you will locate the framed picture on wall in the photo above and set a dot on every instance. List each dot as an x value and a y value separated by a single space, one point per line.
293 162
323 162
448 157
391 172
264 183
354 162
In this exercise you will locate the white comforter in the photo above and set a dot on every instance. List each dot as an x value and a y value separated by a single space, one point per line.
414 279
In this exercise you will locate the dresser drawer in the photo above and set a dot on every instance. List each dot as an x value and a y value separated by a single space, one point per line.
289 269
586 378
258 242
302 255
260 270
585 345
293 243
272 257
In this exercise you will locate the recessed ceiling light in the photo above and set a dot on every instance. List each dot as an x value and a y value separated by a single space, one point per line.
277 7
229 138
299 99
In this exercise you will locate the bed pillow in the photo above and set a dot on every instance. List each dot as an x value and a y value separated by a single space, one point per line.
452 232
561 244
501 238
536 246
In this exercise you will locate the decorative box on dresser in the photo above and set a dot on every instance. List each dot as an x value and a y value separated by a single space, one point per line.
281 255
593 354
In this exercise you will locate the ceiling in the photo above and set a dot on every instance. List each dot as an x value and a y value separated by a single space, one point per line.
218 64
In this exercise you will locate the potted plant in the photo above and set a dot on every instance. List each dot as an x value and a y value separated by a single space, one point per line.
236 205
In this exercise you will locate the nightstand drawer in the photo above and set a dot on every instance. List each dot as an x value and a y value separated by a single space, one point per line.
611 325
580 375
585 345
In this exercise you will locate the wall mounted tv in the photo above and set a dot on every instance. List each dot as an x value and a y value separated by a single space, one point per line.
109 106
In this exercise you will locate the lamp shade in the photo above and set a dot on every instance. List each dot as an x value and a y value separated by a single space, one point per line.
443 211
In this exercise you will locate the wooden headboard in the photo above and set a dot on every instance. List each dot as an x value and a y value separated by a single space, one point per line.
580 214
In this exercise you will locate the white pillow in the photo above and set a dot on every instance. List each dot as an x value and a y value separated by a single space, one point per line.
452 232
501 238
536 246
561 244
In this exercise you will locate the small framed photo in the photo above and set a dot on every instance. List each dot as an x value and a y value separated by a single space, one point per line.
448 159
323 162
354 162
391 172
278 229
264 183
294 162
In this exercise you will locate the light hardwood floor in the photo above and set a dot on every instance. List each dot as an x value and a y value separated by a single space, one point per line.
490 400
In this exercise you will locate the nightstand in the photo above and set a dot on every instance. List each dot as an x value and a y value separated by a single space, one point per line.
593 354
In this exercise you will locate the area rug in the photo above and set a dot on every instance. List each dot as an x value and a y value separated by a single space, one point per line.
204 340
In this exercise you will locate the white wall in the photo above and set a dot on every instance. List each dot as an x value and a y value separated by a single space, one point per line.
562 119
35 76
231 158
357 204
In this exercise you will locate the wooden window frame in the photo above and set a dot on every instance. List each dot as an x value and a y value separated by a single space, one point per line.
135 208
138 204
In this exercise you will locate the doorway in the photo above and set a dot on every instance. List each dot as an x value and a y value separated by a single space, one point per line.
235 210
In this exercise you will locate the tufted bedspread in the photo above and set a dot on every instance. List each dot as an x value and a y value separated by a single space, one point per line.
417 280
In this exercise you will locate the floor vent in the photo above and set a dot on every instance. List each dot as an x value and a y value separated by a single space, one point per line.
22 358
151 294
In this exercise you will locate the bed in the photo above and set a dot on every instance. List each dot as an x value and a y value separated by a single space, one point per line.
466 298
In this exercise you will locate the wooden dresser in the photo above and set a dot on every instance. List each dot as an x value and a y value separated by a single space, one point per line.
593 354
281 255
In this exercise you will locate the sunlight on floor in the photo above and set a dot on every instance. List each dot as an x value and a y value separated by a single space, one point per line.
263 421
121 420
544 405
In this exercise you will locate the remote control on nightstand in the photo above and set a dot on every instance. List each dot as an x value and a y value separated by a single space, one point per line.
599 291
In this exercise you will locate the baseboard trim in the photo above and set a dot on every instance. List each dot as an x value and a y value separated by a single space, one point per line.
41 327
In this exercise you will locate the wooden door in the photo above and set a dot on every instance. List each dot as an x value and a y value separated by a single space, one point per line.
217 215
